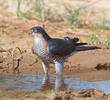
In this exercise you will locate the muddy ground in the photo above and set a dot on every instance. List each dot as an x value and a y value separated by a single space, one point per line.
91 65
54 95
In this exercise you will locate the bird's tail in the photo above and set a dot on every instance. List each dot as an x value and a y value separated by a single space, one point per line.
84 48
81 47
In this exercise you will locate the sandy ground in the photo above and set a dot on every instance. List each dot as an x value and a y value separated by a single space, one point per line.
92 64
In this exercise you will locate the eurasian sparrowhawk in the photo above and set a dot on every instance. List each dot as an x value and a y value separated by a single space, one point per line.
53 50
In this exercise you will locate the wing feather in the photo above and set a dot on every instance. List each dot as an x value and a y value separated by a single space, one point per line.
60 47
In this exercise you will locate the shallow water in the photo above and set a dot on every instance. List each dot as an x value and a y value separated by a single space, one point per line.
39 81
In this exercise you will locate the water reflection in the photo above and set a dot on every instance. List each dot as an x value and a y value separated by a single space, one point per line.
34 82
56 83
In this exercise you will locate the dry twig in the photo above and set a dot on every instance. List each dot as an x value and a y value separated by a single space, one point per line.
14 59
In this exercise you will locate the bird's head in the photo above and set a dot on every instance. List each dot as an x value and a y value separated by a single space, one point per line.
37 30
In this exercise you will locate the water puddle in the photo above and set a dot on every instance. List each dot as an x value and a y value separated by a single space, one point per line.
32 82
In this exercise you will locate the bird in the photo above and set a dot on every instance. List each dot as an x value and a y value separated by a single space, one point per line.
54 50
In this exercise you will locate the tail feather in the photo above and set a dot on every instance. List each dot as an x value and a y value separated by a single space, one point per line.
79 46
84 48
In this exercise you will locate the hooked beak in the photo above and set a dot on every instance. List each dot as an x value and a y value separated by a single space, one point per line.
30 32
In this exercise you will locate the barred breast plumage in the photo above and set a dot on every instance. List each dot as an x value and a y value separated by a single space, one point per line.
40 48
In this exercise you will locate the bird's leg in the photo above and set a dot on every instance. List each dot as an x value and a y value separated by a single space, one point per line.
59 67
45 66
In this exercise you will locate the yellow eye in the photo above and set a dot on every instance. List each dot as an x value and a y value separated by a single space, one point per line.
35 30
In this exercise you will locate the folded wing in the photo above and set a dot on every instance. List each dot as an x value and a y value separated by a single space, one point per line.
60 47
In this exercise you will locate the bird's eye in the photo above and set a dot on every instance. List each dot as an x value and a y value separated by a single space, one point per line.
35 30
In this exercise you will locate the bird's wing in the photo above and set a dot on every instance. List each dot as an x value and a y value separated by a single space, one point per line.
60 47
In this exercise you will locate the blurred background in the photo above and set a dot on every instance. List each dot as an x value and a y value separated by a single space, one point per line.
87 19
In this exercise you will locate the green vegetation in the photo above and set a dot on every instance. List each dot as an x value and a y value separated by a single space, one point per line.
93 39
52 96
2 44
73 17
19 13
29 54
25 14
101 24
18 8
37 10
77 99
47 13
38 7
44 14
106 42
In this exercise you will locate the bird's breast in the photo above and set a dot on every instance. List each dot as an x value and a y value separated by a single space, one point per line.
40 47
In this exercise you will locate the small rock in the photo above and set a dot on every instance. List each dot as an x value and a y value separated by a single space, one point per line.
105 66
